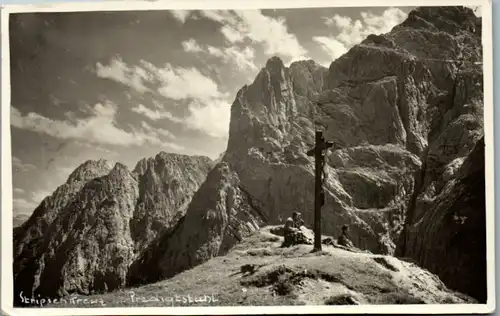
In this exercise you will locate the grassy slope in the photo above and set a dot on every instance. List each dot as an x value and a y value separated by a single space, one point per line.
294 276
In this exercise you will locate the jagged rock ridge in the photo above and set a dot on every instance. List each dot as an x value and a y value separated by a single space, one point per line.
403 108
83 238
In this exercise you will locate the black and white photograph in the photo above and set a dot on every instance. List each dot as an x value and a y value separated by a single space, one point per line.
295 159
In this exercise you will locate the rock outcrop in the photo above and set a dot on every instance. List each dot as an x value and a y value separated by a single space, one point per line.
83 238
403 109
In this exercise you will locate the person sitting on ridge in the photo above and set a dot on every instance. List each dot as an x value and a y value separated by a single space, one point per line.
343 239
297 220
289 232
293 233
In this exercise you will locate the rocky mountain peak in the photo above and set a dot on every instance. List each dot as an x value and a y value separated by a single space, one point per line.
450 19
180 157
164 158
265 112
119 171
275 64
455 14
89 170
142 165
308 63
271 74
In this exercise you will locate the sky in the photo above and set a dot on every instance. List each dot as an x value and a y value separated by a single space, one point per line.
126 85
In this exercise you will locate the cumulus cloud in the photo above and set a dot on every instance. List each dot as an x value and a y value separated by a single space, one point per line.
24 206
19 191
172 82
212 118
156 114
27 205
242 58
181 83
64 172
38 196
98 128
94 147
208 107
119 71
239 26
19 166
352 32
191 46
181 15
331 45
158 132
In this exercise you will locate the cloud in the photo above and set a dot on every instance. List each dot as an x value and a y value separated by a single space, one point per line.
98 128
155 115
330 45
352 32
64 172
19 191
158 132
272 33
176 83
19 166
209 110
95 147
24 206
191 46
27 205
181 15
38 196
213 118
179 83
243 58
118 70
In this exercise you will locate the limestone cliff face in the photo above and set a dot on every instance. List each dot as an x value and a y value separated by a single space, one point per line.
403 109
167 184
84 237
425 102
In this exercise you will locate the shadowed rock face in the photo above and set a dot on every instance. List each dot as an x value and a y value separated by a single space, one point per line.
167 184
450 237
404 110
219 216
84 237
